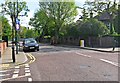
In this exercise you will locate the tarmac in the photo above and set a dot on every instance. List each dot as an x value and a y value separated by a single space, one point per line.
21 58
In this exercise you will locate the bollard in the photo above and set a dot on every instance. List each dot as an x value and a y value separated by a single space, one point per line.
81 43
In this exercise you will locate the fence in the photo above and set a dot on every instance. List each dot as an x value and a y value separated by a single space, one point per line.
89 41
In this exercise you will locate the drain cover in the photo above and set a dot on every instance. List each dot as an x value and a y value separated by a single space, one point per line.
84 66
107 75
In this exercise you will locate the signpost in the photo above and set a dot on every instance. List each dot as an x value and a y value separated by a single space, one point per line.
17 28
17 24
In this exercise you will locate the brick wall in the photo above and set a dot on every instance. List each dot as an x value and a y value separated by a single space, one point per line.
3 47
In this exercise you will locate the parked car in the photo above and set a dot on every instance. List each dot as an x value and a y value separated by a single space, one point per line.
30 44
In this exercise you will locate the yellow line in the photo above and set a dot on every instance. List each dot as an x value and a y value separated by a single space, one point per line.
31 61
29 55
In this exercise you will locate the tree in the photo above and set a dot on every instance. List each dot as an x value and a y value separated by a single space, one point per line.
53 16
30 33
22 31
97 6
13 9
93 27
6 28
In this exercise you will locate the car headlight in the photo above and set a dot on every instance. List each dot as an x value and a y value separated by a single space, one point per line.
36 45
26 46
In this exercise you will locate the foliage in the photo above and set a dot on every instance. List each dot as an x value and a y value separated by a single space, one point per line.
30 33
6 28
72 31
22 31
13 9
93 27
52 17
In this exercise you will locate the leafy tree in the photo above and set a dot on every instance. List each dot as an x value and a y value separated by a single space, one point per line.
13 9
30 33
22 31
53 16
6 28
97 6
93 27
72 31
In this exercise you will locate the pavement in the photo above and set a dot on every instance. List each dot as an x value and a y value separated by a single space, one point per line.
117 49
110 49
7 62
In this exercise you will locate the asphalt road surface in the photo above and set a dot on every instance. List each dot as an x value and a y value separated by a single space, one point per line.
55 63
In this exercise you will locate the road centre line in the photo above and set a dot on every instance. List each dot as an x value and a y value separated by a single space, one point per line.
82 54
110 62
104 60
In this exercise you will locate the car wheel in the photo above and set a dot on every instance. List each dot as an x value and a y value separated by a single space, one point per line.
38 49
24 50
35 50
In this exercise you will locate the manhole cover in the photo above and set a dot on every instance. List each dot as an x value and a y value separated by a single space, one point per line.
85 66
107 75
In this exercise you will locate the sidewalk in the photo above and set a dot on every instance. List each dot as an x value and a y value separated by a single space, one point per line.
117 49
6 59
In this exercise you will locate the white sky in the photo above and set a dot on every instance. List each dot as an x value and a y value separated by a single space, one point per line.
33 6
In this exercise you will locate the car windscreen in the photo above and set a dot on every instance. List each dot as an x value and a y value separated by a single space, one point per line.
27 41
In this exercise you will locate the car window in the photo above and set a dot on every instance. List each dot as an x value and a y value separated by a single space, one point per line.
30 41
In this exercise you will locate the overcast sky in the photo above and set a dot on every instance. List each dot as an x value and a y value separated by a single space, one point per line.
33 6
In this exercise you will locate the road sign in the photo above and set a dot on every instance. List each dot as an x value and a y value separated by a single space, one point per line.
17 24
17 21
17 27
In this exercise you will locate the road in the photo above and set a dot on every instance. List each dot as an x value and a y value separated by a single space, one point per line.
55 63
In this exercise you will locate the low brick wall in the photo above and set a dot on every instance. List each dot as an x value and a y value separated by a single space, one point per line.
3 46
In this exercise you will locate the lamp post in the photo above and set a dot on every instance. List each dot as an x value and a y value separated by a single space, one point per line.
16 34
13 22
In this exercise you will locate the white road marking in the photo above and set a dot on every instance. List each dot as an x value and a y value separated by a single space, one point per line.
110 62
1 75
15 76
16 71
29 79
27 71
17 67
27 74
26 65
27 68
83 54
1 71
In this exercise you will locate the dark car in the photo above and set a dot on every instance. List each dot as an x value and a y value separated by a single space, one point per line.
30 44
